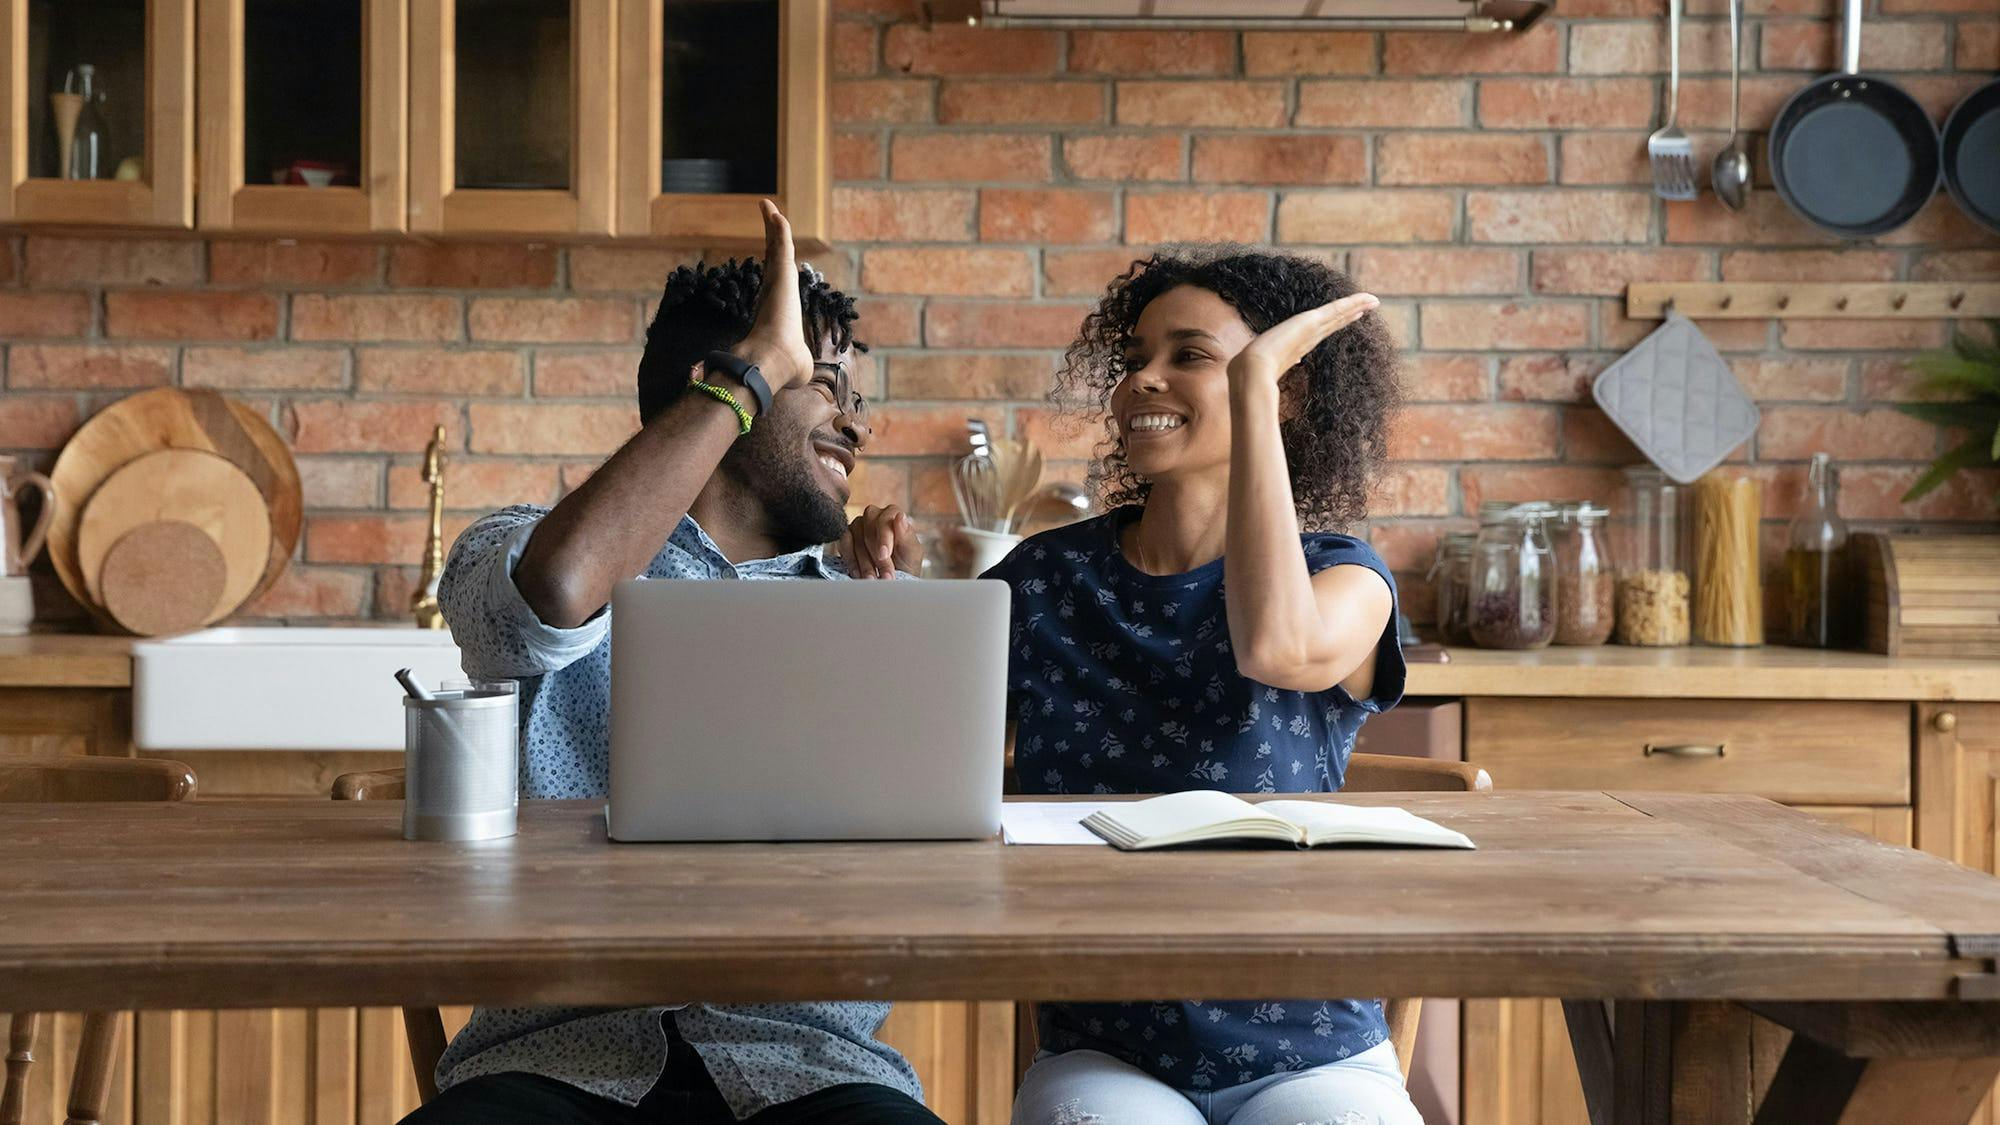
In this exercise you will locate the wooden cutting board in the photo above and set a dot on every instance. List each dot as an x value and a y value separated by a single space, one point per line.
173 418
187 485
163 577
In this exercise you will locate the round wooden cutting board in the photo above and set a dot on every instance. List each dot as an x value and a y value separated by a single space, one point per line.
190 486
172 418
163 577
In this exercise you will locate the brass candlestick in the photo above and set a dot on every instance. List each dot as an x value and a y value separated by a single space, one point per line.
424 601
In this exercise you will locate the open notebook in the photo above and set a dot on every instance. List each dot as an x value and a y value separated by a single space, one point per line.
1206 816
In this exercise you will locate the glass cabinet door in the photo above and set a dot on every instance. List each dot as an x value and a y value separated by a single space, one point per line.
302 115
722 103
511 115
97 113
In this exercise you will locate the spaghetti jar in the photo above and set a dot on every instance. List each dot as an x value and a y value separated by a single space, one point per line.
1729 588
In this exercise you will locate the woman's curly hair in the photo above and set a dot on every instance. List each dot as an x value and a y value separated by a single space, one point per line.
1338 399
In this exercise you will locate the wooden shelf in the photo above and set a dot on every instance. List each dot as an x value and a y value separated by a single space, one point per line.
1887 300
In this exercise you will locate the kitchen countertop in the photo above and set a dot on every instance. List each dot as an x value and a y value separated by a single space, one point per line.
1771 672
76 660
66 660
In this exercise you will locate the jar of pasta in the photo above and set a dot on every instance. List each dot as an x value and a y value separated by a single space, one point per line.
1729 586
1653 584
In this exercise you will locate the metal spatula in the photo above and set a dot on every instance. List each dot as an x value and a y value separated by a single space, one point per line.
1670 149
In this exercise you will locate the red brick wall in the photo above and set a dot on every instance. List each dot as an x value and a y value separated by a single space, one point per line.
1491 188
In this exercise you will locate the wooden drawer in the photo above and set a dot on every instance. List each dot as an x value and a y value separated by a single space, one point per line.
1810 753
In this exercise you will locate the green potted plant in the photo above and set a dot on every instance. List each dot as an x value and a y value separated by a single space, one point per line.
1969 370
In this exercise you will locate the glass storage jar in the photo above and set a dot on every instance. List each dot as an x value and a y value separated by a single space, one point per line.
1513 577
1653 584
1451 579
1585 594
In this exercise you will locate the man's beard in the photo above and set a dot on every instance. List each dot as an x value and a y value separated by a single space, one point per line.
800 512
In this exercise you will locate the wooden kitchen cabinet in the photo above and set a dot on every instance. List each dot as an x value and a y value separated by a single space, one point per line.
42 721
311 87
652 120
512 114
1958 794
142 52
721 104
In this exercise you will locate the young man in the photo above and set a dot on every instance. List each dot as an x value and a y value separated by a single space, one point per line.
750 428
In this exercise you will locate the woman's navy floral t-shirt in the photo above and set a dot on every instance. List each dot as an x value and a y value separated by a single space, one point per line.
1123 682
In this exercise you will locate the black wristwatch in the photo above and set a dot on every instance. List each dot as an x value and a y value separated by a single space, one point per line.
744 372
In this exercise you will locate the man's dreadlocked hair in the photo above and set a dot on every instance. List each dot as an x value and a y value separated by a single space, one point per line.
705 308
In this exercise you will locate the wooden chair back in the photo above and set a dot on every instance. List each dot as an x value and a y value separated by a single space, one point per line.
1366 773
423 1027
73 778
76 779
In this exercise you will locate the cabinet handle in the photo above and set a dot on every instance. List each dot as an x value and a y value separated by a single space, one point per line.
1944 722
1690 750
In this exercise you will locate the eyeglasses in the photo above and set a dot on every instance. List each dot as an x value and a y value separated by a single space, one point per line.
843 389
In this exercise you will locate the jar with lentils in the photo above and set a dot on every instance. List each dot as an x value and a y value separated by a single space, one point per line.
1586 584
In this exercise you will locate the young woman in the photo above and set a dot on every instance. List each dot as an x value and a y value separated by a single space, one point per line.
1196 638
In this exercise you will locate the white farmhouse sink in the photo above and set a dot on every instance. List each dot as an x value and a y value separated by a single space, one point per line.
280 688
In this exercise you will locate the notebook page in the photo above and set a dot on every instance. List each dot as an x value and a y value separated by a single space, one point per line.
1367 823
1180 812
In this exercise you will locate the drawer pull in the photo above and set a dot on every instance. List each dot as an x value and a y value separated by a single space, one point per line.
1691 750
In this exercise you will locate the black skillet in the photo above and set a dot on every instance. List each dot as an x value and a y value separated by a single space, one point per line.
1854 154
1972 155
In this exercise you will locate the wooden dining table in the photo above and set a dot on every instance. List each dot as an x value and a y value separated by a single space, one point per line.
1663 920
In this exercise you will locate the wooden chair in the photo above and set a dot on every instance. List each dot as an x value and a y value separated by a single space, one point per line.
424 1027
70 779
1366 773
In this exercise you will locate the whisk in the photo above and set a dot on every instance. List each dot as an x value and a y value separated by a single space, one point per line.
976 483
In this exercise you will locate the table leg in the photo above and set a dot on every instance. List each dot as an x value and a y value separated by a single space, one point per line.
1689 1063
1883 1063
1662 1063
1590 1041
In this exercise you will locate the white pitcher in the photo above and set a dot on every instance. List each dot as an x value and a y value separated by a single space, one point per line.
16 546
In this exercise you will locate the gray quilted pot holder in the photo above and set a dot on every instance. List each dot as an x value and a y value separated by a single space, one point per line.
1677 400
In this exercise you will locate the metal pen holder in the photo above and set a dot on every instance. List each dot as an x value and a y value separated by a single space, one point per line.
461 775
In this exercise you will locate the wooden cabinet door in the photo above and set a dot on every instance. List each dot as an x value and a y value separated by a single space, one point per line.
963 1052
38 721
512 114
1958 796
733 111
327 82
145 66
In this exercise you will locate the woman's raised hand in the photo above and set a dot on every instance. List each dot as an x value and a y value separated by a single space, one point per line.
1280 347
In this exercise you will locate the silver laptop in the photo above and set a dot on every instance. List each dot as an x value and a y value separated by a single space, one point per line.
807 710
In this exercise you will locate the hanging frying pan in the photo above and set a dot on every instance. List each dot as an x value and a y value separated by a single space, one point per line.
1972 155
1853 154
